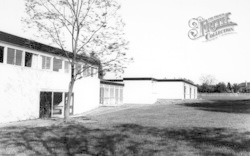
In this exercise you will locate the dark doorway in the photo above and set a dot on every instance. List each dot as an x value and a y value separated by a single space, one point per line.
45 104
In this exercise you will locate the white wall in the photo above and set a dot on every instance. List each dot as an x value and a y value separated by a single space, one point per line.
139 92
193 93
147 91
87 94
20 89
170 90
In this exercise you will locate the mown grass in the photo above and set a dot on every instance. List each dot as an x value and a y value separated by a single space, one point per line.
181 129
226 106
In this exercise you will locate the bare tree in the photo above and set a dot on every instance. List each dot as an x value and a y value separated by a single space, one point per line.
207 80
90 28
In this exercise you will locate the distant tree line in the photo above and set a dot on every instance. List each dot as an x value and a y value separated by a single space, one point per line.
209 85
220 87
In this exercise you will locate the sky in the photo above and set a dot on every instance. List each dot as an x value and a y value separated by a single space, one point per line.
158 34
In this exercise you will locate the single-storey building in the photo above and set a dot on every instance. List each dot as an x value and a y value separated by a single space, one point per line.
145 90
35 77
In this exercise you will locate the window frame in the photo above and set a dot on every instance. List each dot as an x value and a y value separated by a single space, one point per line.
46 61
57 59
14 61
31 64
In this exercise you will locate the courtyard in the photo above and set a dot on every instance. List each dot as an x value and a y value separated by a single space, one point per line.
205 127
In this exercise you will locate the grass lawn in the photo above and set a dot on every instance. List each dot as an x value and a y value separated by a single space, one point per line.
197 128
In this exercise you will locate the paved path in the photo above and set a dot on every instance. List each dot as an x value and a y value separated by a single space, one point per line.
109 109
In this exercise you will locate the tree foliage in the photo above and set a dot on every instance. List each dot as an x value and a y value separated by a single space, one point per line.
235 88
221 87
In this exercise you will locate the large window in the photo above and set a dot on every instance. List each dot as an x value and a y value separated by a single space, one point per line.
30 60
102 95
190 93
14 57
53 103
57 64
112 93
1 54
116 95
58 103
46 62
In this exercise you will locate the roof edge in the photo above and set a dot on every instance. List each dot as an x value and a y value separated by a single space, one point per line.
43 48
154 79
111 83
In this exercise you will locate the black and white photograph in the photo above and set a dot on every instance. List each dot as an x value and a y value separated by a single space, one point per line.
124 78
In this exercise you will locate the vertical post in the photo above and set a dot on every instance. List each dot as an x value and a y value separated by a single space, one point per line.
23 59
5 55
52 103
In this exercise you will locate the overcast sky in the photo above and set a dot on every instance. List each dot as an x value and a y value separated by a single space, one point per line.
159 42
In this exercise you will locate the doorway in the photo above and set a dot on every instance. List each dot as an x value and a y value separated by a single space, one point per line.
45 104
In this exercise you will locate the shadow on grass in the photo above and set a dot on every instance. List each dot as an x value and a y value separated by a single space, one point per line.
123 139
226 106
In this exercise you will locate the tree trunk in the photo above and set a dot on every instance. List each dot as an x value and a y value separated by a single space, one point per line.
69 96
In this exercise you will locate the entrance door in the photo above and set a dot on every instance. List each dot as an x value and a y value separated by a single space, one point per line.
45 104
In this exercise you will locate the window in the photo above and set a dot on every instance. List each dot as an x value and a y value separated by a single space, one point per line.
116 95
30 60
45 62
102 95
112 95
121 95
14 57
190 93
57 65
106 92
66 67
58 103
1 54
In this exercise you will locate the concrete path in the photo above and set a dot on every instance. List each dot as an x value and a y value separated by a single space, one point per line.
109 109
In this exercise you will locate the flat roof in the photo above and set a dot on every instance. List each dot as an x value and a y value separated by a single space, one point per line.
111 83
151 79
30 44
